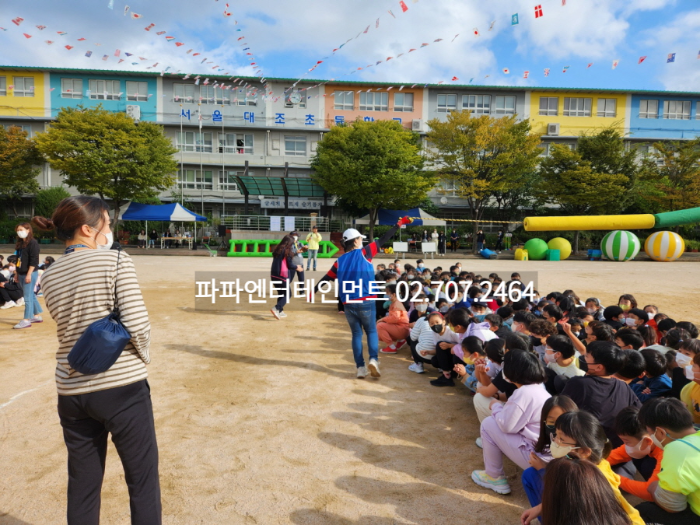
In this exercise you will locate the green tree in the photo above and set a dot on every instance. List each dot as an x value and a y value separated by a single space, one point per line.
675 171
19 159
46 201
481 156
372 165
108 154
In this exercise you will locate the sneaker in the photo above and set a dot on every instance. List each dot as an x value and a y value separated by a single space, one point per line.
40 294
275 312
341 312
417 368
479 443
361 372
391 349
36 319
374 368
443 381
499 485
23 324
400 343
20 302
8 304
282 315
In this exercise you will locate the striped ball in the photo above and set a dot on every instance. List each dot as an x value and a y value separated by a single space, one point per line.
620 245
664 246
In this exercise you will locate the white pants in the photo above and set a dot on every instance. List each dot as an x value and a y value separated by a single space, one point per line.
481 405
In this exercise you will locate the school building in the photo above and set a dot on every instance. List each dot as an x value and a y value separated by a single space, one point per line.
244 153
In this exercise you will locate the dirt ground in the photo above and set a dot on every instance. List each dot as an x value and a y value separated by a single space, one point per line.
262 421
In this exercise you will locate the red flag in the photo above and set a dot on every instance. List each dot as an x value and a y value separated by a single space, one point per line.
641 59
454 79
81 40
69 47
17 21
117 53
538 11
403 5
26 35
590 64
149 27
178 44
135 15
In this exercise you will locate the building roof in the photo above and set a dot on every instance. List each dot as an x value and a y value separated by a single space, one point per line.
334 82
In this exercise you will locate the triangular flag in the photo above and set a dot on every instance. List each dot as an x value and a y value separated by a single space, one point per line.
615 63
526 74
566 68
506 71
514 19
135 15
403 6
642 59
546 72
68 47
492 24
589 65
454 79
26 35
126 9
392 14
671 58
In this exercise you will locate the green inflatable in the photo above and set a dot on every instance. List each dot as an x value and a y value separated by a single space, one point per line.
265 247
620 245
536 249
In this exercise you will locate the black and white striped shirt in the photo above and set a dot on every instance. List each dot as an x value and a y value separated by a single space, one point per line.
79 290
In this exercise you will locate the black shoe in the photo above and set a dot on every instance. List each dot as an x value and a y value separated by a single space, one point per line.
442 381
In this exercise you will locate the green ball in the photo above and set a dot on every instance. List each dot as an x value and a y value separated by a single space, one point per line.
536 249
620 245
561 244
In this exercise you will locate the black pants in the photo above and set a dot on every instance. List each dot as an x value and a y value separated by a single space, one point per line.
652 513
7 295
499 244
445 359
453 245
417 358
282 288
126 413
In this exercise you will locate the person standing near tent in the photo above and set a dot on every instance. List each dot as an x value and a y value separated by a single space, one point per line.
313 243
441 244
480 240
454 240
358 293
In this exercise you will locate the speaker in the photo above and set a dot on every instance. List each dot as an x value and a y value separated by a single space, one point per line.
221 230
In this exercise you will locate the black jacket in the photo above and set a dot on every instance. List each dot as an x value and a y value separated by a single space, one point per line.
28 256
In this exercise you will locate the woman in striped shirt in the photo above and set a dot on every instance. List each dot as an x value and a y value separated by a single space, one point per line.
79 289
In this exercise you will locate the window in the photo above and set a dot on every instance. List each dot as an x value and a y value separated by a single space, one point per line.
648 109
374 101
295 146
193 179
195 142
287 102
221 96
227 180
544 147
104 90
477 104
236 143
243 100
24 86
24 127
549 106
3 86
607 107
137 91
344 100
446 103
71 88
403 101
206 95
577 107
183 92
504 106
677 109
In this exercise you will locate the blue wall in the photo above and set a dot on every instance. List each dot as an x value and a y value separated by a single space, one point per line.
660 128
148 108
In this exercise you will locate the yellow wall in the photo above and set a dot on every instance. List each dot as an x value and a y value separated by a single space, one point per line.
575 126
23 106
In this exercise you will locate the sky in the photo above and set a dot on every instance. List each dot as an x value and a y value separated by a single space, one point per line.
287 39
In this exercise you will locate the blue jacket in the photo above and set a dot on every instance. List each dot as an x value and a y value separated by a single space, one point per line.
659 386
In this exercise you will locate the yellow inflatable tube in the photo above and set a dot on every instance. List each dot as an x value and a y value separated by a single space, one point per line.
589 222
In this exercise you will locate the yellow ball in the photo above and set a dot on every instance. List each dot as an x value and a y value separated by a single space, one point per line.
561 244
664 246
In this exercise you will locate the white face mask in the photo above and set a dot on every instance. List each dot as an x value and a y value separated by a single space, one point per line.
689 374
656 441
12 268
422 307
637 452
550 358
630 322
294 237
22 234
109 237
559 451
682 360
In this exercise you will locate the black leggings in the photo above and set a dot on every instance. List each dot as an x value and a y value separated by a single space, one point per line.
652 513
417 358
10 295
445 359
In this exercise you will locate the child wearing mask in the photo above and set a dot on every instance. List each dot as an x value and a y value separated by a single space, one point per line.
393 329
562 363
486 370
421 341
655 383
472 350
690 395
638 448
540 330
680 360
448 352
580 435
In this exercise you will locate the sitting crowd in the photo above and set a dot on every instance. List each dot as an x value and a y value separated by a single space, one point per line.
592 402
11 293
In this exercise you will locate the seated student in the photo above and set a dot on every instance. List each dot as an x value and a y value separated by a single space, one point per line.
663 326
393 329
689 327
11 293
560 358
513 428
634 367
506 314
577 327
486 370
655 383
540 330
480 311
690 395
442 335
472 350
420 307
680 361
613 317
636 317
639 449
442 305
553 314
677 492
598 392
590 500
421 341
447 350
594 308
521 322
580 436
648 335
496 325
533 477
628 339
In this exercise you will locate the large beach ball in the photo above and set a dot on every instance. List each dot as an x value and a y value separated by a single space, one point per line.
536 249
620 245
664 246
561 244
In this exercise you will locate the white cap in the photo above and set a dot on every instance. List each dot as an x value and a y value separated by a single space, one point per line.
352 233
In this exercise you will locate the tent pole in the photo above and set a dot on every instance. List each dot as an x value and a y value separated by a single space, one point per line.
147 235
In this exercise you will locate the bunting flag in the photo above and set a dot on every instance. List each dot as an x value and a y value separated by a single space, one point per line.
615 63
135 15
642 59
88 54
117 53
476 31
149 27
105 57
178 44
538 11
514 21
392 14
49 42
68 47
589 65
526 74
506 71
566 68
62 33
169 38
41 28
546 71
671 58
454 79
377 26
82 39
403 6
26 35
161 33
126 9
17 21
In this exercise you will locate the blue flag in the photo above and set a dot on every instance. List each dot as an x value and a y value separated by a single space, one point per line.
111 4
514 20
671 58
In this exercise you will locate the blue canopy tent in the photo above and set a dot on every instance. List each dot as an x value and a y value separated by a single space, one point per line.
391 217
133 211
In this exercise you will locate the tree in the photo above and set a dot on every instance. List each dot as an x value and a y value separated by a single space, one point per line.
108 154
46 201
19 159
482 156
372 165
676 166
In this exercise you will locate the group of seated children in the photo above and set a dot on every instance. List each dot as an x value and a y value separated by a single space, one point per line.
590 401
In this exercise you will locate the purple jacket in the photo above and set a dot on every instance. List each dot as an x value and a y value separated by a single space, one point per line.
522 412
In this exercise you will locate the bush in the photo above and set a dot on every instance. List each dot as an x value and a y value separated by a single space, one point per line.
46 201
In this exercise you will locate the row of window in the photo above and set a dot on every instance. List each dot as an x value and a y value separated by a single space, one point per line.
104 89
21 87
477 104
196 179
578 107
239 143
345 101
210 95
672 109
